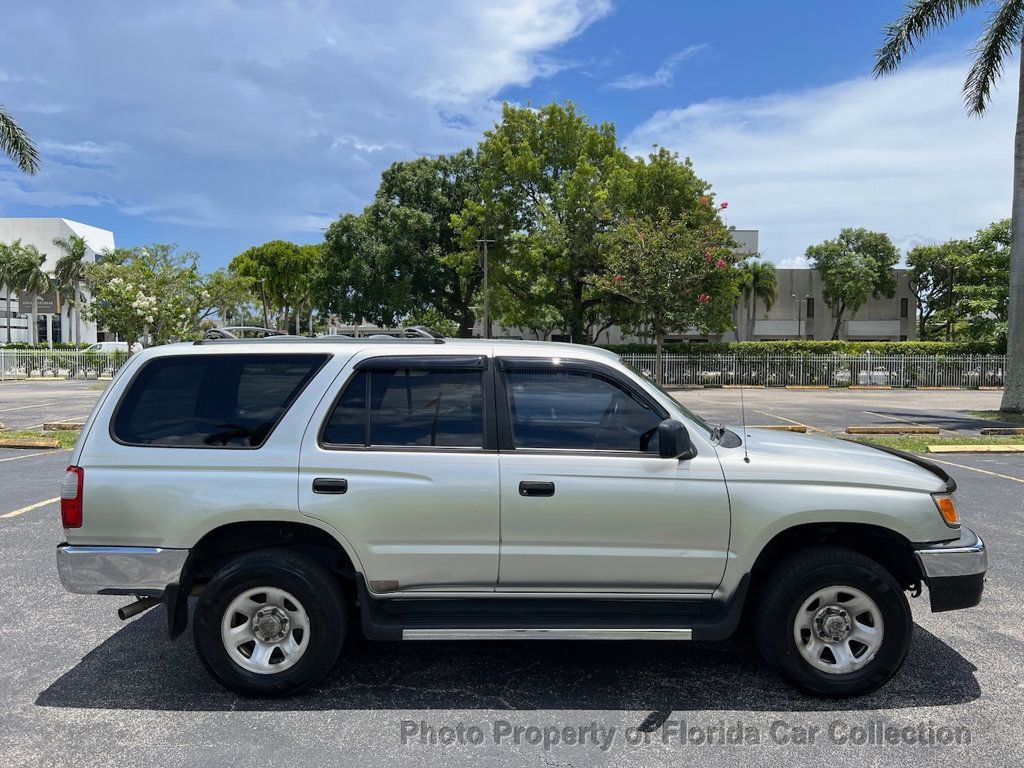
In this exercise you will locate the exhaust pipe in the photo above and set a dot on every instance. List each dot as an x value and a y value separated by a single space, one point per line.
134 609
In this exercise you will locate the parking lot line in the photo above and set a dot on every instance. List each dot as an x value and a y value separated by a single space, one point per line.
783 418
975 469
897 418
30 507
30 455
26 407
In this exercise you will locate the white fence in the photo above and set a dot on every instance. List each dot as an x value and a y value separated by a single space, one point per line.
18 364
761 370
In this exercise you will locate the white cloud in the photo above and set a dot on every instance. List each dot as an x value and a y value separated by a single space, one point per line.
662 76
268 118
898 155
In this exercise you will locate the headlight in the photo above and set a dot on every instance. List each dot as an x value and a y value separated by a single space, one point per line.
947 508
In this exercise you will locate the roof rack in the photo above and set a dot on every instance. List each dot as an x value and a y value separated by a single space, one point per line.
417 334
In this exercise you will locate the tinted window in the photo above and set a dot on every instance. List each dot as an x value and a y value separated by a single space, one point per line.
410 407
203 401
577 409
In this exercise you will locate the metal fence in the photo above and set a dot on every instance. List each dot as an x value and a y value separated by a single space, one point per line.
830 370
17 364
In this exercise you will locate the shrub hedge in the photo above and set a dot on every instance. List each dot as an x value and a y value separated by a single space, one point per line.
796 348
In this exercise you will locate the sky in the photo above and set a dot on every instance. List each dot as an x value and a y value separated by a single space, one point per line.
221 124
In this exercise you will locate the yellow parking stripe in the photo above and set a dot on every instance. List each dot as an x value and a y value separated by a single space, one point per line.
975 469
30 507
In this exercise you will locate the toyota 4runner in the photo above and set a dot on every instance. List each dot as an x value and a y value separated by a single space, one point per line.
490 490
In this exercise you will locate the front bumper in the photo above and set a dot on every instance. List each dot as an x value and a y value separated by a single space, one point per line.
955 571
119 570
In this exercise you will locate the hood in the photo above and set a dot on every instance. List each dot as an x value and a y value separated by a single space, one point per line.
819 458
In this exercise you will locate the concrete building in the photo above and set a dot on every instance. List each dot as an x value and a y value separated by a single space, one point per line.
55 321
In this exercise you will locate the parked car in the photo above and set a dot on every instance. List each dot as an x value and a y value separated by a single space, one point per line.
469 489
112 346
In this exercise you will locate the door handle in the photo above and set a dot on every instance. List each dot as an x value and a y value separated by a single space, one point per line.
536 488
330 485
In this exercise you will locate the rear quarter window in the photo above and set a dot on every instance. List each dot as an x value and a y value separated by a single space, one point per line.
211 401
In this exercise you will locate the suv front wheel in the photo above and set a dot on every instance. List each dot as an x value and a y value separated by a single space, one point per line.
270 623
833 622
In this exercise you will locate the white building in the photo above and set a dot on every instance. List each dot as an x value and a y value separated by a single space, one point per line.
55 321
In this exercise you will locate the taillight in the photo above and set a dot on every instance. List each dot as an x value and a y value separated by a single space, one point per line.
71 498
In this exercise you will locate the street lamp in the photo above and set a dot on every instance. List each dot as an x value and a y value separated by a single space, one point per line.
263 291
487 290
800 313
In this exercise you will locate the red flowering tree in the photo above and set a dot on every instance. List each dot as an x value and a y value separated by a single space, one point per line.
670 274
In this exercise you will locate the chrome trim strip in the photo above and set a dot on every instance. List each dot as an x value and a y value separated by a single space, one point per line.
89 570
547 634
965 557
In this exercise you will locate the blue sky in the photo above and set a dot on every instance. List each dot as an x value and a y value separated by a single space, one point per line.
218 125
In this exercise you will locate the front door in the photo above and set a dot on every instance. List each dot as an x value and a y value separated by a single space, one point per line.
587 504
399 464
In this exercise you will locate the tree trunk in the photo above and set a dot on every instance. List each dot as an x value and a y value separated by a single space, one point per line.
298 321
1013 394
78 315
839 322
920 322
8 314
752 318
659 346
34 334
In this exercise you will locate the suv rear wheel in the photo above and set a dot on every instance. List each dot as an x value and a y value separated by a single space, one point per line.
833 622
270 623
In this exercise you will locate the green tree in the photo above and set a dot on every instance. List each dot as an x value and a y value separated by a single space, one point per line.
68 273
403 257
856 265
17 144
29 277
1003 37
931 280
226 294
280 268
545 197
11 259
757 281
145 293
671 276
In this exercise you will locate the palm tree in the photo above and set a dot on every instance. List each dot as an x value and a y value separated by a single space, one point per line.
68 275
30 278
17 144
757 281
1002 38
8 278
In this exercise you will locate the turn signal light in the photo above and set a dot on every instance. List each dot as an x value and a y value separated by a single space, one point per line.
71 498
947 508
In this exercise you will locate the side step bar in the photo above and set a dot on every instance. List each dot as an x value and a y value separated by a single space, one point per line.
547 634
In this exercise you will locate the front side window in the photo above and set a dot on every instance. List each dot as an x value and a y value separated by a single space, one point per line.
393 407
577 409
211 401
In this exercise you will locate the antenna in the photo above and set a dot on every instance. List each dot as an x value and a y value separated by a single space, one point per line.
743 419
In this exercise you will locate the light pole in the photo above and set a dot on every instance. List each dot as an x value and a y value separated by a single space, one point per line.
263 293
487 290
799 313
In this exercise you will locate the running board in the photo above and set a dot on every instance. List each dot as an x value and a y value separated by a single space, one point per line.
546 634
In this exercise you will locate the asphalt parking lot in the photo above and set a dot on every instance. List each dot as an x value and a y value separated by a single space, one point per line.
78 686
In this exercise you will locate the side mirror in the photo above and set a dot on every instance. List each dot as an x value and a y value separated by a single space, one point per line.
674 440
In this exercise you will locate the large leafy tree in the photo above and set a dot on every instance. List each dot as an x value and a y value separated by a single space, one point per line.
1003 37
12 268
403 258
280 269
671 275
547 177
931 279
856 265
69 273
17 144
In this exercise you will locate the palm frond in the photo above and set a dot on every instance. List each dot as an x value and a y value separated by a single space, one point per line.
1002 37
920 18
17 144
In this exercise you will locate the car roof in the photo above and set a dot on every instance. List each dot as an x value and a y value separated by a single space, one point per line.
386 346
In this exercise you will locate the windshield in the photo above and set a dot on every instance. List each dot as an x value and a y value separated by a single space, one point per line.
682 410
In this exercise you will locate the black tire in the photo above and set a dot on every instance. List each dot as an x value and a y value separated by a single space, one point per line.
301 576
793 582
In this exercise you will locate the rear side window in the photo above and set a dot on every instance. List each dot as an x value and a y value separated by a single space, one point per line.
211 401
409 407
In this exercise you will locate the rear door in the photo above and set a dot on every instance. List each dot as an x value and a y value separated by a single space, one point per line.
401 460
587 504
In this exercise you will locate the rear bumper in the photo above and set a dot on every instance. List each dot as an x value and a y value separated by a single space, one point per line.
955 571
119 570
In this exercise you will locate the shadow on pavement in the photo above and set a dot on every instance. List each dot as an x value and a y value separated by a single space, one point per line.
139 668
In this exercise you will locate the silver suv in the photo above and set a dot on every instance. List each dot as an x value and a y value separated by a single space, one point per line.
481 490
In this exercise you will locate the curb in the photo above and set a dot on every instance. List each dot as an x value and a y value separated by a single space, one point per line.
976 449
28 442
50 426
779 427
907 430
